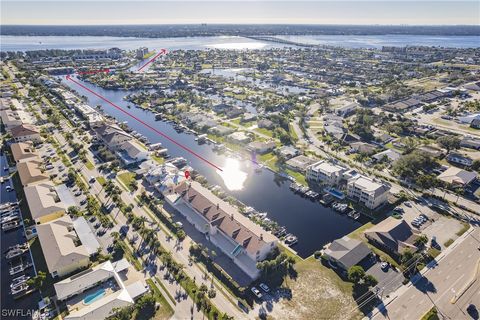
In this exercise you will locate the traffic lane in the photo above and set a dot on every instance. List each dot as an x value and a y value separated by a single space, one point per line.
437 285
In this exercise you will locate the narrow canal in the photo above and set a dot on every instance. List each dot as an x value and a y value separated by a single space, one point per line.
313 224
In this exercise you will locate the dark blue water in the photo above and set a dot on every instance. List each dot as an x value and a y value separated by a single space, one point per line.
313 224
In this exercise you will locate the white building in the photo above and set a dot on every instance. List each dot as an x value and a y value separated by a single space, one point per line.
367 191
94 293
325 172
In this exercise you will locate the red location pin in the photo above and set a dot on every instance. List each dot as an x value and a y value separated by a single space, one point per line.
187 174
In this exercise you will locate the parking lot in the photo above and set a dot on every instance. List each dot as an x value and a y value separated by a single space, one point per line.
440 227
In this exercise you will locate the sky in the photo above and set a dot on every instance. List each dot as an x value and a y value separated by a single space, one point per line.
384 12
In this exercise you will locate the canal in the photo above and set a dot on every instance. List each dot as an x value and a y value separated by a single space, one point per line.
313 224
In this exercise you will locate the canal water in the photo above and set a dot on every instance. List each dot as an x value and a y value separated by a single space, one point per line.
313 224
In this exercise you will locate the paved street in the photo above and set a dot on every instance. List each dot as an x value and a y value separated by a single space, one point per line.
440 284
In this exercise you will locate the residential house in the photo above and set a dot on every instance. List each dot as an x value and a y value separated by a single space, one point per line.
131 152
243 241
238 137
431 151
44 202
390 155
392 235
325 172
457 176
471 143
265 123
26 132
459 159
287 152
363 147
118 282
261 147
347 110
347 252
61 247
300 163
220 130
367 191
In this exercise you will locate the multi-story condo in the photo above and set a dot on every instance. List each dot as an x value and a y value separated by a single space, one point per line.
324 172
367 191
243 241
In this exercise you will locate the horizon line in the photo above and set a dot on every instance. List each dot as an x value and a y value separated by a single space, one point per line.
245 24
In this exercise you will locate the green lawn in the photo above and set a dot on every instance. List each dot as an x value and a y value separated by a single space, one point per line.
300 177
165 311
126 178
89 165
160 160
264 131
101 180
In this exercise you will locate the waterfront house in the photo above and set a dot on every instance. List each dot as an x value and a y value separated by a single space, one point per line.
96 292
287 152
220 130
23 152
26 132
367 191
325 172
392 235
30 172
131 152
457 176
44 202
261 147
243 241
63 251
347 252
238 137
300 163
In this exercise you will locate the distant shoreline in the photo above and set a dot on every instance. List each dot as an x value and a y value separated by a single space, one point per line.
212 30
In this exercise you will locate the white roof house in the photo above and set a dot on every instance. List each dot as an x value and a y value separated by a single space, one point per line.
94 293
367 191
454 175
325 172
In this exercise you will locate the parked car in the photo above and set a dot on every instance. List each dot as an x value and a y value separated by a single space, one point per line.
83 201
264 287
257 293
78 193
472 311
384 266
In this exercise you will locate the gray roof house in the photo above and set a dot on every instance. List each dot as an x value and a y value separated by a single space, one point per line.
347 252
394 235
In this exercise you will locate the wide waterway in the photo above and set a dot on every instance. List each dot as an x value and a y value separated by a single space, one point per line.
27 43
313 224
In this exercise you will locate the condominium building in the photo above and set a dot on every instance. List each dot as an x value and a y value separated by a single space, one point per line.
325 172
367 191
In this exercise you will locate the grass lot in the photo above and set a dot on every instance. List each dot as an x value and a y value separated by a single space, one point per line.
431 315
317 293
298 176
264 131
89 165
448 242
165 311
160 160
269 159
465 227
126 178
101 180
293 134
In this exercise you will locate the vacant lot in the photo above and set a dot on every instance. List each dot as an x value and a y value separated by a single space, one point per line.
317 293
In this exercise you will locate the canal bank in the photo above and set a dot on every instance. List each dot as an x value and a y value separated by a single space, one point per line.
313 224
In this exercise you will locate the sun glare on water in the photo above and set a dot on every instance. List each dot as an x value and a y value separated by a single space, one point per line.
232 175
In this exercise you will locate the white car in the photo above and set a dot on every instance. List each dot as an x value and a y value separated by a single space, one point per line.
257 293
384 266
264 287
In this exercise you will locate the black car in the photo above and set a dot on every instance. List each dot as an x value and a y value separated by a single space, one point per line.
472 311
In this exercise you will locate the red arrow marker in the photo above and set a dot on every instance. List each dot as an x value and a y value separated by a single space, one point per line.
163 51
144 123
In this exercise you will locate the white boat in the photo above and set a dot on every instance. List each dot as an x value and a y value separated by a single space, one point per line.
290 240
19 268
9 217
22 279
11 225
19 288
15 252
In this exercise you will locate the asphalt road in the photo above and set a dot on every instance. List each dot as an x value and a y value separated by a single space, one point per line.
440 284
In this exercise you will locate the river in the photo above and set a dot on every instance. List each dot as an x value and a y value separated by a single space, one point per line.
313 224
27 43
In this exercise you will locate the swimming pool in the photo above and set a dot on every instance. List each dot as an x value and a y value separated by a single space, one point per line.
94 296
